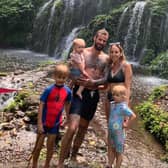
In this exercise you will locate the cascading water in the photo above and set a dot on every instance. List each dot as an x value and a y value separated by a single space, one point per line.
131 39
163 32
121 20
50 26
61 17
42 9
66 43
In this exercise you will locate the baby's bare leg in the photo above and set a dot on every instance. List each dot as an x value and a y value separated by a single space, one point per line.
79 91
119 159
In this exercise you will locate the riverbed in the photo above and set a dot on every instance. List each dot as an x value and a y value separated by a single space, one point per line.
141 151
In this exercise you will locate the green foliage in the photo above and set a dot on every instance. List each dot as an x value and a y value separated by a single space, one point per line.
59 4
11 107
21 96
155 119
148 57
159 65
159 7
45 63
158 92
16 21
109 22
20 100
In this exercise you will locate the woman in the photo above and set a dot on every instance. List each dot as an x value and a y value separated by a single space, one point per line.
120 73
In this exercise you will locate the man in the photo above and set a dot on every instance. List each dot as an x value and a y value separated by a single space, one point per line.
82 110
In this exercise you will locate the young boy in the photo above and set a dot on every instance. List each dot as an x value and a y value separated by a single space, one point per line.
77 63
52 101
116 126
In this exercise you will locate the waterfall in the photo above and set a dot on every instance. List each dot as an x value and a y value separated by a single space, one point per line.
121 20
42 9
146 37
165 34
66 44
131 39
54 22
48 34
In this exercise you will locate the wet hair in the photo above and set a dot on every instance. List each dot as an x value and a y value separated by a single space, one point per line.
123 57
61 69
121 90
102 32
79 41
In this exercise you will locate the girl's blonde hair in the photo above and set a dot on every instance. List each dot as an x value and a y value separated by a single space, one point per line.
120 90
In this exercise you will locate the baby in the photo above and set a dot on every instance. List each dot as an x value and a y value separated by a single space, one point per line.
77 63
119 111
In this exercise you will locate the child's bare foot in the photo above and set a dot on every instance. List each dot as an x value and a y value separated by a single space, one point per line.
79 94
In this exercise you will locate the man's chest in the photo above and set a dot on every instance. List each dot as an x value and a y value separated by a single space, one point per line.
95 62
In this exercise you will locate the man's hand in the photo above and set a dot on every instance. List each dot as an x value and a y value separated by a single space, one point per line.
85 82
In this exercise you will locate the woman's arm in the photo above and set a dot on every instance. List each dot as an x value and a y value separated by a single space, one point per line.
128 79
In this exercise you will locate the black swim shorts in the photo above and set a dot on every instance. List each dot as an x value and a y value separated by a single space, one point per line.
85 107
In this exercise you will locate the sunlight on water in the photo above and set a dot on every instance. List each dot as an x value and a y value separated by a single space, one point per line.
153 81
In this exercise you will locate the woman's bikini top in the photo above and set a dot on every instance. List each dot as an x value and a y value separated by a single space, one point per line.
119 77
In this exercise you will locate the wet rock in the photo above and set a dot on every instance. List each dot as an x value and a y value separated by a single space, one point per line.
8 117
26 119
33 116
33 100
18 72
7 126
19 114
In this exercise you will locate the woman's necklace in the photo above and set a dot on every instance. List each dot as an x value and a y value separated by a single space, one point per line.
115 68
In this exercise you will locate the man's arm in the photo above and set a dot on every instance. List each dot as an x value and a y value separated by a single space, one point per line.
128 79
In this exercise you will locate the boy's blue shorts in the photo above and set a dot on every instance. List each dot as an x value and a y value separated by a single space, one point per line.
53 130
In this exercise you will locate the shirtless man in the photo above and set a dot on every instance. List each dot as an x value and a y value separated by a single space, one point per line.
83 110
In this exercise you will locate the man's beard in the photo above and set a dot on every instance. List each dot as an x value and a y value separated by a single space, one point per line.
99 47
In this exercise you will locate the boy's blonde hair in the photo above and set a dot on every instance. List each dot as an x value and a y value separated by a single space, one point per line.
61 69
121 90
79 41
